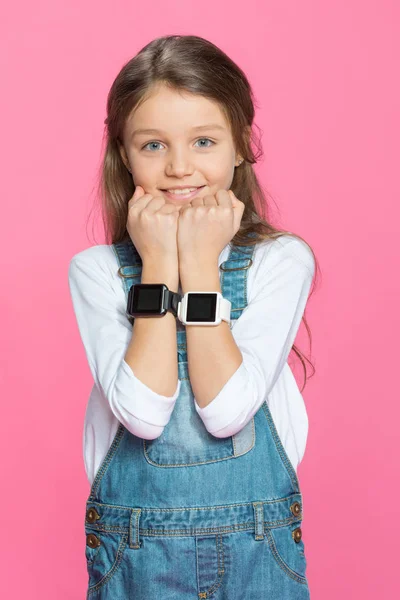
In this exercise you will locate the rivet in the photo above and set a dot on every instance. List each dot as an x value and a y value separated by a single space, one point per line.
92 515
296 534
296 508
92 540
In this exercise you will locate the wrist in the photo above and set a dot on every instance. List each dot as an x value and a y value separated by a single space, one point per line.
189 264
204 278
163 271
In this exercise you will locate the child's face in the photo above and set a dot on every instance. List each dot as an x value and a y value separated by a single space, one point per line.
179 155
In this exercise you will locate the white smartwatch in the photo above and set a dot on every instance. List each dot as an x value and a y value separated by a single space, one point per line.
204 308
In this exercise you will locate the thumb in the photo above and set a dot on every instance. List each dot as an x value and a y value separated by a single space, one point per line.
233 198
138 193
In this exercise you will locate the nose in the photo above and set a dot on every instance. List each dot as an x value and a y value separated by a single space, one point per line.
179 165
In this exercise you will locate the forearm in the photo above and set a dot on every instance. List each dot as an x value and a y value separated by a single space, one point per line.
213 356
152 351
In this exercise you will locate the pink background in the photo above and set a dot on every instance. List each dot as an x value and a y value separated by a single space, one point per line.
325 77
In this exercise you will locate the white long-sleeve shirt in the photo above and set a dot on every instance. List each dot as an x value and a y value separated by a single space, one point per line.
278 285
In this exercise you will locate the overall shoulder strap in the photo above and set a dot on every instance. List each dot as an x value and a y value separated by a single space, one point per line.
130 264
233 279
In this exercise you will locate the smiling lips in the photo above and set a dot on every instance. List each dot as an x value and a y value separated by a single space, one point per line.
183 194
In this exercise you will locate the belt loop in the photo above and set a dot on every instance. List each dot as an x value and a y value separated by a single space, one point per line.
134 528
259 520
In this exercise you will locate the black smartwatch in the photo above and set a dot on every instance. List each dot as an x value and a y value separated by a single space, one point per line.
151 300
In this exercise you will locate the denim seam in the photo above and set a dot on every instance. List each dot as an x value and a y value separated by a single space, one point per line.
134 528
196 508
106 461
91 561
192 464
253 438
281 562
259 520
220 569
281 450
111 572
193 531
213 460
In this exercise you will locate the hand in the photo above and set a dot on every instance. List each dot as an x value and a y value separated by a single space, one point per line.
152 227
207 225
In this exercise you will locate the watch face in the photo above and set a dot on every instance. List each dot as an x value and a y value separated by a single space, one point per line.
147 298
201 307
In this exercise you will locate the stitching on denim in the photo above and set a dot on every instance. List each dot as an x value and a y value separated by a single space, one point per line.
196 508
134 527
111 572
91 561
212 460
248 525
109 528
253 438
281 450
106 461
281 562
221 565
220 569
197 563
192 464
259 520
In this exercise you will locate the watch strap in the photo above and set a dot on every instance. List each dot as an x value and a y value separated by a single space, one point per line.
225 309
171 301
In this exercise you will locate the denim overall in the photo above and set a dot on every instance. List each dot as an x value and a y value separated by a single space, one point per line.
187 515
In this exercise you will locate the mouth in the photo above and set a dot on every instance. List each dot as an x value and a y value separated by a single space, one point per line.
178 195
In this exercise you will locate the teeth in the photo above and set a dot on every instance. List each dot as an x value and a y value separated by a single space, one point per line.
182 192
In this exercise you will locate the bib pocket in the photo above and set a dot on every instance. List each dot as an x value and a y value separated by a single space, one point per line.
186 442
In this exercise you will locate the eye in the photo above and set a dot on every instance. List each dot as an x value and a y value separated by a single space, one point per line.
199 140
207 140
148 144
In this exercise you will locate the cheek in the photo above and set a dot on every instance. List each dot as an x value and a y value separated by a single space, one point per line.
144 173
220 172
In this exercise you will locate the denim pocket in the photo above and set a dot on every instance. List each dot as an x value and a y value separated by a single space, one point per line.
104 552
186 442
287 552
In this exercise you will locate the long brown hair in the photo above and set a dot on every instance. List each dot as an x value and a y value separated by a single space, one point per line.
192 64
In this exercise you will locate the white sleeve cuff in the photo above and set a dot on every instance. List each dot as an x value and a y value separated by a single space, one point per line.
226 405
142 403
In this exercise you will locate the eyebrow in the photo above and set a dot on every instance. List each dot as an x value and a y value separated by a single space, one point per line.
159 131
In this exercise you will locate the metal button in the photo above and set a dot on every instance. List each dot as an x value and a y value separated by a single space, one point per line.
92 515
296 508
296 534
92 540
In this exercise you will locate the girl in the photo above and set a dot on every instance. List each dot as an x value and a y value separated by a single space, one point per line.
193 433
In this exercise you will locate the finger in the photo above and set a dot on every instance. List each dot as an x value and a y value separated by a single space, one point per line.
197 202
236 203
155 204
138 193
168 208
224 197
142 201
210 200
184 207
